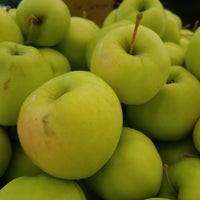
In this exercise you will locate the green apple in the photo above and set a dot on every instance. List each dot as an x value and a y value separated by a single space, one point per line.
185 36
109 18
181 180
73 46
20 164
157 198
12 12
71 125
57 61
41 187
153 11
171 114
196 135
172 29
192 58
176 53
9 31
173 151
5 151
23 69
43 23
136 66
133 172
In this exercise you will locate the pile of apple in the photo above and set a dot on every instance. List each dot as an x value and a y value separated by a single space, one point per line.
106 112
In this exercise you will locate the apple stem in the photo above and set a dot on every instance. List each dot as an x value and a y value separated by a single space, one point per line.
84 14
168 179
195 25
137 23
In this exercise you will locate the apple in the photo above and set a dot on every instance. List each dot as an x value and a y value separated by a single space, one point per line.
12 12
133 172
23 69
171 114
129 58
7 24
70 126
157 198
153 11
172 29
5 151
192 58
20 164
43 23
41 187
57 61
185 36
173 151
73 46
181 180
176 53
196 135
109 18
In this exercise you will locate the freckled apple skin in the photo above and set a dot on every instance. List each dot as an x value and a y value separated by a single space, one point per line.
71 125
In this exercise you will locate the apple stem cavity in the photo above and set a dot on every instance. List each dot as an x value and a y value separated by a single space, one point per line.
168 179
137 23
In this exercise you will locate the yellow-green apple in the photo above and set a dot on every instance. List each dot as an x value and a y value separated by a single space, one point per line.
12 12
196 135
71 125
9 31
181 180
23 69
73 46
40 187
5 151
176 53
173 151
133 172
109 18
136 66
153 11
172 29
20 164
43 23
185 36
171 114
192 58
57 61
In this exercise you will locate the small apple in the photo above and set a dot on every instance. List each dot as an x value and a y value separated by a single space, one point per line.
20 164
12 12
133 172
57 61
9 31
133 60
41 187
70 126
73 45
43 23
176 53
181 180
153 11
185 34
171 114
109 18
23 69
192 58
5 151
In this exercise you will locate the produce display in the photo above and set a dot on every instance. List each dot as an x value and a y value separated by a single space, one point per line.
98 112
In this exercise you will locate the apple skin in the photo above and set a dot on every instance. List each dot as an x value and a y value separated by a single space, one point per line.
157 198
196 135
41 187
192 58
153 13
57 61
71 125
73 46
23 69
109 18
127 71
181 180
133 172
5 151
178 100
43 23
7 24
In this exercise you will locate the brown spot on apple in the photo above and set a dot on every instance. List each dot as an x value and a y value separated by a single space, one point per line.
45 123
6 84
